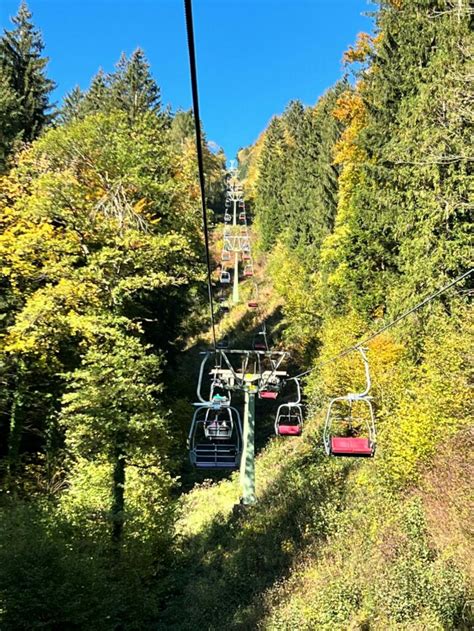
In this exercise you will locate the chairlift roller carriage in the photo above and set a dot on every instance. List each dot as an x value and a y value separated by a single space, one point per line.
215 436
289 416
351 412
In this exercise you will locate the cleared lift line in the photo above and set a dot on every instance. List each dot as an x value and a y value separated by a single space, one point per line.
217 438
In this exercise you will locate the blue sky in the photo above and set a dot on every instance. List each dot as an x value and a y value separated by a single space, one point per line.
253 55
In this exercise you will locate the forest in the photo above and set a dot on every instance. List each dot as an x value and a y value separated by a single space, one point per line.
360 207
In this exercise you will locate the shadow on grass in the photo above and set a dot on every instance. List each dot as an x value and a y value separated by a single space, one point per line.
220 578
183 392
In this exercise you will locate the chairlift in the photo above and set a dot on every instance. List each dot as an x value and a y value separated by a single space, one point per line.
223 343
227 217
215 438
241 204
270 388
248 271
242 216
253 301
224 277
225 255
259 342
289 416
246 255
351 413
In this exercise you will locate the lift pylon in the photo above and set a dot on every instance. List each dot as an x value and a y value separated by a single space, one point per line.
249 372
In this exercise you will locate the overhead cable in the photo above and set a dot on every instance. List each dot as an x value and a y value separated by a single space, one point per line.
398 319
197 126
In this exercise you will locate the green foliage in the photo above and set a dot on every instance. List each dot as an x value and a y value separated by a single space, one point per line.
23 78
130 89
101 264
361 204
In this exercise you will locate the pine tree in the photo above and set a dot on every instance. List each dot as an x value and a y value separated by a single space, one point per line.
72 106
132 88
10 116
24 67
269 208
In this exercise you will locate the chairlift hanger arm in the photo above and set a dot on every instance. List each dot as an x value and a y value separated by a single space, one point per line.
201 373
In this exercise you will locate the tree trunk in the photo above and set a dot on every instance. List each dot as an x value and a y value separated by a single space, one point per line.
118 493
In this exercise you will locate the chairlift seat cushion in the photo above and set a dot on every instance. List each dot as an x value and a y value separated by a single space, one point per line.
268 394
253 305
349 446
289 430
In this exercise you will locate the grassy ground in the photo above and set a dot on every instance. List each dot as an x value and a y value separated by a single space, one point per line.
338 544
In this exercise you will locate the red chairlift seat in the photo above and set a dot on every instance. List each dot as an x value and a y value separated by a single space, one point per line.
351 446
252 304
268 394
289 430
248 271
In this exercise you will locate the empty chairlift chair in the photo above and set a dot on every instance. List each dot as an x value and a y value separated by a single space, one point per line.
289 416
225 255
248 271
270 389
259 342
223 343
253 300
349 429
242 216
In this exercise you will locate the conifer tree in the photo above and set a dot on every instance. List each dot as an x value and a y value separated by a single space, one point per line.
9 117
132 88
73 104
24 67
